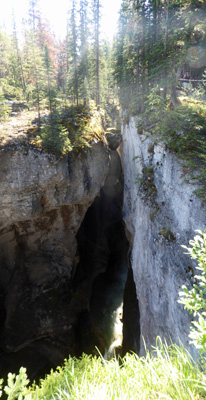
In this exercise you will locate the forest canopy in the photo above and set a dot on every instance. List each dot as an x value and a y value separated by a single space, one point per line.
155 41
48 73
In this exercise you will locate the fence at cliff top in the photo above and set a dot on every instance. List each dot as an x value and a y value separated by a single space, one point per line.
191 80
189 83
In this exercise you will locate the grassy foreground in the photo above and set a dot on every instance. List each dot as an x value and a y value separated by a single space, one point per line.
169 374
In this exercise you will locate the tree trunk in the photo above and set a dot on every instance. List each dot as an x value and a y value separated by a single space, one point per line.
173 95
165 49
97 56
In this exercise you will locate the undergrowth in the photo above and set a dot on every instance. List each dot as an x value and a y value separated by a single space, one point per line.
70 129
194 299
168 373
183 129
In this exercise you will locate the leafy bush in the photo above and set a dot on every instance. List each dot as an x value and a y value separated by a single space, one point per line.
16 387
194 300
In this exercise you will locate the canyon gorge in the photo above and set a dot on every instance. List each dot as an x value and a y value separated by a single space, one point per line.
89 242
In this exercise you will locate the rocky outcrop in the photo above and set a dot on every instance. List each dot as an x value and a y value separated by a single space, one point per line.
43 203
161 213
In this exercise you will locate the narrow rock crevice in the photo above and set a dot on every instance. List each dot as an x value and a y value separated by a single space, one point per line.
109 314
131 317
102 270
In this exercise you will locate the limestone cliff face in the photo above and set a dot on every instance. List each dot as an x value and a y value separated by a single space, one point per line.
43 203
161 213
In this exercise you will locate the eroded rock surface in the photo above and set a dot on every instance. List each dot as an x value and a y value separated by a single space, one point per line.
43 203
161 213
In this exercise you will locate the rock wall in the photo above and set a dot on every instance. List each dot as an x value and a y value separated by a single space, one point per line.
161 213
43 203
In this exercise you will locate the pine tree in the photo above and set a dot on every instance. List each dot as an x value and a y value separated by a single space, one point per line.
84 49
48 72
34 13
73 50
5 47
62 63
152 45
96 18
16 60
48 66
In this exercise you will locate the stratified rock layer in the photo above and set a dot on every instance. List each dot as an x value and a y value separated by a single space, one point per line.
43 203
161 213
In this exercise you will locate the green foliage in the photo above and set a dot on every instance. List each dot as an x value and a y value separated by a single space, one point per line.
70 129
183 130
54 137
167 233
194 300
146 183
167 372
16 385
5 48
152 43
43 70
5 109
1 384
156 107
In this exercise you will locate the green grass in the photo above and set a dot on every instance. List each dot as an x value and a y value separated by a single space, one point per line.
170 373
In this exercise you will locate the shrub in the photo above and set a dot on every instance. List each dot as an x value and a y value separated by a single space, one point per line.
194 300
183 131
5 109
54 136
71 129
16 386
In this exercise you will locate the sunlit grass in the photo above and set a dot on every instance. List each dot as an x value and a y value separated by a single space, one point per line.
198 106
170 373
